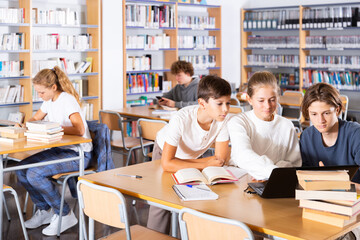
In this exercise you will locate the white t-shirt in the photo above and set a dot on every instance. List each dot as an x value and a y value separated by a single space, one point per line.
60 111
184 132
260 146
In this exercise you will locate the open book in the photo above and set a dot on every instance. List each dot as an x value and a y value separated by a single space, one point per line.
209 175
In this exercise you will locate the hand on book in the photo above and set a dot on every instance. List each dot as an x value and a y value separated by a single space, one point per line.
20 125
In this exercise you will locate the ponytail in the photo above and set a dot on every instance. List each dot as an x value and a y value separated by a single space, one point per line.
49 77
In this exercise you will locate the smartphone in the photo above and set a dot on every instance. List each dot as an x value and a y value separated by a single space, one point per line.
158 97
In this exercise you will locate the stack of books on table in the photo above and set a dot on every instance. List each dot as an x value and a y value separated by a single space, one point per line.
11 135
328 197
43 131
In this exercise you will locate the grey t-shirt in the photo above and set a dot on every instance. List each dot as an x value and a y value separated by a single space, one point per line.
184 96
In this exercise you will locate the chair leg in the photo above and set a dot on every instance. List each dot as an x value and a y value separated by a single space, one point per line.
20 214
6 209
133 204
26 202
128 158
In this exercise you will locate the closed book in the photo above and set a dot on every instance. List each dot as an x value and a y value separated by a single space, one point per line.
11 140
349 195
339 175
44 140
12 130
330 207
12 135
48 131
41 125
47 136
194 193
324 184
328 218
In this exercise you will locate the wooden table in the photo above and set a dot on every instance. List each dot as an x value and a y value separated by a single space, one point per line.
139 112
275 217
29 146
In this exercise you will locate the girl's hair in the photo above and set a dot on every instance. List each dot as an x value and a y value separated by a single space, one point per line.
322 92
261 79
49 77
213 86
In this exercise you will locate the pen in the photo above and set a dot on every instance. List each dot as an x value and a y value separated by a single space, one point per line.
192 186
126 175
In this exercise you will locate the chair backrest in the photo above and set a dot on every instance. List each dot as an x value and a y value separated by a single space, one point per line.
148 128
103 204
236 109
293 93
345 101
195 225
291 112
234 102
112 119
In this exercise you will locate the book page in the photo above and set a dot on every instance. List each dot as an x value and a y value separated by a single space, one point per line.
189 175
212 173
198 192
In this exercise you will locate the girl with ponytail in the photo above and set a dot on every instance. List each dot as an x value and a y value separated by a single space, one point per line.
61 104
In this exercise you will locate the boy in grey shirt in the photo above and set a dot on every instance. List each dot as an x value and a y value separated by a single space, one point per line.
185 92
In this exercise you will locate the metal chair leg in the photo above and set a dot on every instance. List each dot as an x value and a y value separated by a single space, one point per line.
20 213
26 202
6 209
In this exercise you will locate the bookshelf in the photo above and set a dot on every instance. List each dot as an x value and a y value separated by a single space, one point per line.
327 44
150 47
81 20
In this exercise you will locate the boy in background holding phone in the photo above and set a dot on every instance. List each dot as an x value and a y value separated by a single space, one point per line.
185 92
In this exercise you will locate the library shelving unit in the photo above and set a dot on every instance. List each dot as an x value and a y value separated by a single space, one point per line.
328 43
152 41
89 23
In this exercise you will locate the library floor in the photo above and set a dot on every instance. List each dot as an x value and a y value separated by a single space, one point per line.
12 229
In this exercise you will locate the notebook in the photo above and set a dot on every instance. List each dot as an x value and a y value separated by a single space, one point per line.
283 181
194 192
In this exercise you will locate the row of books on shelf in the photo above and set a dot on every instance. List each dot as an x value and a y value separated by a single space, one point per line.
81 86
64 16
12 94
12 15
196 22
331 17
138 63
275 19
327 197
335 62
273 60
346 80
290 79
197 42
131 129
148 42
55 41
200 61
352 41
87 110
12 41
257 41
141 15
67 65
143 82
11 68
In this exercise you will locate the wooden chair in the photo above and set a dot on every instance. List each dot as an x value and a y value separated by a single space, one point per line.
294 99
108 206
195 225
125 145
13 192
148 129
236 109
234 102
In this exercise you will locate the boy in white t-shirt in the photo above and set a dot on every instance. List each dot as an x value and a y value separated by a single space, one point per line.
189 134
